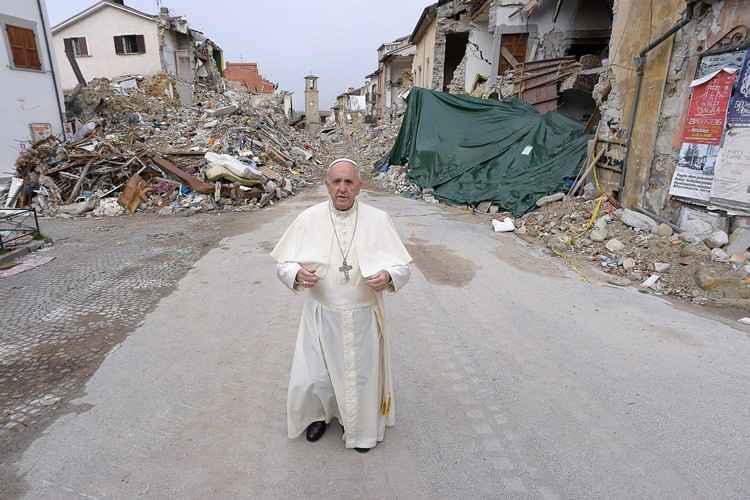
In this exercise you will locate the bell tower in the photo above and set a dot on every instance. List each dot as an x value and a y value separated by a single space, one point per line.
312 104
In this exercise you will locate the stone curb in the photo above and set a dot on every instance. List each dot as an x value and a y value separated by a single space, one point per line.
19 252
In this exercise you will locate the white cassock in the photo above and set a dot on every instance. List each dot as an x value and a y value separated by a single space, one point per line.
341 367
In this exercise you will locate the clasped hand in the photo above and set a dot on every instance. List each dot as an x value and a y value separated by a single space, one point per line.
378 282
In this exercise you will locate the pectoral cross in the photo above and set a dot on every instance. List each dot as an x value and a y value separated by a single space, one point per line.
345 268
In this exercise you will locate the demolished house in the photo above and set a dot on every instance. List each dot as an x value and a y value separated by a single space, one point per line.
394 77
111 39
350 108
141 149
249 76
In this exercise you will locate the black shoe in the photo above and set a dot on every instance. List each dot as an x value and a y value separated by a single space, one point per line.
361 450
316 430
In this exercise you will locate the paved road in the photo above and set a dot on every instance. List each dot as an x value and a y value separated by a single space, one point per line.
515 380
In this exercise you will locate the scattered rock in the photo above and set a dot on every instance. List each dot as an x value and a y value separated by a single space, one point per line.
696 230
628 263
664 230
638 221
552 198
739 242
615 245
662 267
556 244
598 234
717 239
494 209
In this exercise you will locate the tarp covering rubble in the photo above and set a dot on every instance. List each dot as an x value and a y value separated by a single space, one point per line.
471 150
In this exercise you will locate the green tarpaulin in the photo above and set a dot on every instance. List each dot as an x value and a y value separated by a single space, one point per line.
471 150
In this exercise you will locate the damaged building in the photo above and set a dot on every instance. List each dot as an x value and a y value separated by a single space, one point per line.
672 136
249 76
350 108
547 53
394 76
111 39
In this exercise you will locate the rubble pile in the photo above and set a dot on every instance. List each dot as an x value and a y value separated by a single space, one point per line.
395 181
137 147
699 263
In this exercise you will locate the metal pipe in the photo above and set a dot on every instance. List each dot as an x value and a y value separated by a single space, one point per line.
51 68
640 63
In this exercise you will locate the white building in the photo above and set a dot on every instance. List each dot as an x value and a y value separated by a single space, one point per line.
111 39
31 101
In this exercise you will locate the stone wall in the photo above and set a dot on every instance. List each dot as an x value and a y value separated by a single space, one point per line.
451 18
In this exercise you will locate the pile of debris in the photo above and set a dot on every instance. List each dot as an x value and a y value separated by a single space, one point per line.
698 262
136 147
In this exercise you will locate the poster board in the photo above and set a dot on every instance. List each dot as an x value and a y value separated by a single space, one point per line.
731 185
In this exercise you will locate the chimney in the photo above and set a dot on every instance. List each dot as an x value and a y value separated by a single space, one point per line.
164 11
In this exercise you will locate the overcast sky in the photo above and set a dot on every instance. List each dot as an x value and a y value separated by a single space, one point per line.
335 39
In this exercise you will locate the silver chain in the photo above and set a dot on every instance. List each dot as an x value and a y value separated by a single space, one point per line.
336 233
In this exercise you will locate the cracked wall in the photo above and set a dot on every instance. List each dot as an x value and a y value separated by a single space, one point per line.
451 18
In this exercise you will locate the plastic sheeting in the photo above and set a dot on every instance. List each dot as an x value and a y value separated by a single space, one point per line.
471 150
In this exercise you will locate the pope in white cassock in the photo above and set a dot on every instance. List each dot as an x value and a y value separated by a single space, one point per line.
344 254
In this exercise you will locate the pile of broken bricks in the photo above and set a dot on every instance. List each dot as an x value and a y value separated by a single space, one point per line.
140 149
696 261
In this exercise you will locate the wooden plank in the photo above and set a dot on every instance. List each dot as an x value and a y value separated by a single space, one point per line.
508 57
195 184
79 183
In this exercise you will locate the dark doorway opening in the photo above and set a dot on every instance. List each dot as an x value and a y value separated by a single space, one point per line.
455 48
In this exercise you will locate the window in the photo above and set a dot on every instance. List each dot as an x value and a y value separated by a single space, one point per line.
77 46
130 44
22 43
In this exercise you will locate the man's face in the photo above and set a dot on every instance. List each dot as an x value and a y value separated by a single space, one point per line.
343 185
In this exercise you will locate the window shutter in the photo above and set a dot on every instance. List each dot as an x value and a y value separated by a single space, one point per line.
23 47
83 46
140 43
16 42
118 45
69 45
32 55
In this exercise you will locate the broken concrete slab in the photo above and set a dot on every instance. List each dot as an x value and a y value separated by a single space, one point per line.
222 111
552 198
638 221
739 242
717 239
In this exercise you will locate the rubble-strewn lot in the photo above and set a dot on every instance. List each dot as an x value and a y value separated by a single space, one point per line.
683 264
138 148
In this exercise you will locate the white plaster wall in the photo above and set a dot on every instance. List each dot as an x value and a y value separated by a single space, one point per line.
27 96
99 29
168 52
480 53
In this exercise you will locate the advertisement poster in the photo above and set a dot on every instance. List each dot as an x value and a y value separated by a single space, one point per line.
694 174
731 187
708 108
739 106
40 131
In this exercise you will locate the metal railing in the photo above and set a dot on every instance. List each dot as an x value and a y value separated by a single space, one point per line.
16 223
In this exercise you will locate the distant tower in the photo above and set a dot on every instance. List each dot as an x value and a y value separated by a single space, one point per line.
312 108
